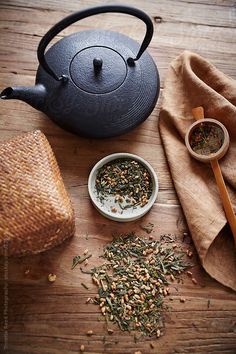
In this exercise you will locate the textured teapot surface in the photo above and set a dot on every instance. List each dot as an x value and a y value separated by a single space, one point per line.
103 101
94 83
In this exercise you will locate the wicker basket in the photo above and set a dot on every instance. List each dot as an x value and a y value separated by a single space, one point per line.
35 210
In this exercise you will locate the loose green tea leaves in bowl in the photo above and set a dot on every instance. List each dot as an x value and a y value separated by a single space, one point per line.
207 138
133 282
127 181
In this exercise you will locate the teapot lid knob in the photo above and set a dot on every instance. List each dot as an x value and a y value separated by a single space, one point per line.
97 64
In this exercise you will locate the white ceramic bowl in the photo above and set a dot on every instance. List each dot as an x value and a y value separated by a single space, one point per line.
104 207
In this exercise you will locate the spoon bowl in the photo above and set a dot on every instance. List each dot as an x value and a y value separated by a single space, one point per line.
211 156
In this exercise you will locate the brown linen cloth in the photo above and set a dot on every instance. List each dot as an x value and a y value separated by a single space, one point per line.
192 81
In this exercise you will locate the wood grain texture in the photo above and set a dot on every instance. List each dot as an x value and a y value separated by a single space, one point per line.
53 318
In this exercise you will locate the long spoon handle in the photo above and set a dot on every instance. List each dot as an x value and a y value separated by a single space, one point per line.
228 208
198 113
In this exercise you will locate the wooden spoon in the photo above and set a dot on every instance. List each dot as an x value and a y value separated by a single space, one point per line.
198 114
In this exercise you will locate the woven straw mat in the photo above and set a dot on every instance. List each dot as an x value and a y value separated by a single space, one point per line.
35 210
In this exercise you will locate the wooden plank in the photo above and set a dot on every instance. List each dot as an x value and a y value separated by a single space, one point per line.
169 10
194 338
169 40
53 318
38 312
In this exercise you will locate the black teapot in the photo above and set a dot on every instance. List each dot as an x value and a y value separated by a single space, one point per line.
94 83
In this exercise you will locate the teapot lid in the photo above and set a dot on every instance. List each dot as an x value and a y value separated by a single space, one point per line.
102 91
98 70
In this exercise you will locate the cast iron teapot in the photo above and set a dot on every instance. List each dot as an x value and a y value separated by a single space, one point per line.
94 83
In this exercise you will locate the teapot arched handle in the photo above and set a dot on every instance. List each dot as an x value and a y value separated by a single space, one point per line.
69 20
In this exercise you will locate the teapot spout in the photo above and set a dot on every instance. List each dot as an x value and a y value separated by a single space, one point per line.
33 95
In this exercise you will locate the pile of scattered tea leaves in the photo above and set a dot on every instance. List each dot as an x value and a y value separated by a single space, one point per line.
134 280
125 179
206 139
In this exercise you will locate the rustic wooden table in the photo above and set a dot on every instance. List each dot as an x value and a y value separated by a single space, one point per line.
53 318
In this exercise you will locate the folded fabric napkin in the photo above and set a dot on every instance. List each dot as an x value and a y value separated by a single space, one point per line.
192 81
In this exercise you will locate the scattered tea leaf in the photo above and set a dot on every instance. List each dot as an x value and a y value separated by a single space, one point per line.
133 281
148 228
85 286
79 260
